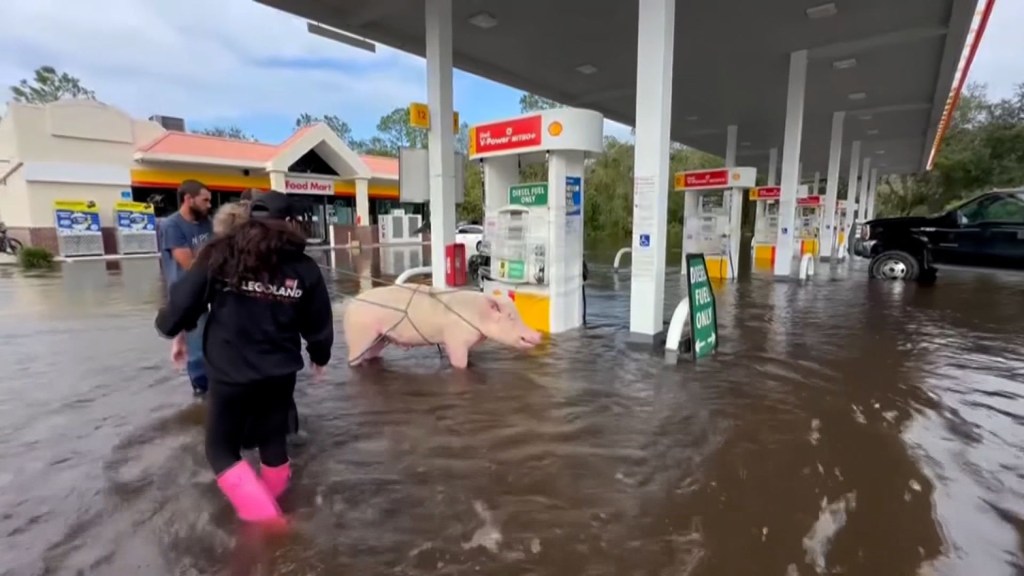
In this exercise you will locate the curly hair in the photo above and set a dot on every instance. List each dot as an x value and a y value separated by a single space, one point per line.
252 250
229 216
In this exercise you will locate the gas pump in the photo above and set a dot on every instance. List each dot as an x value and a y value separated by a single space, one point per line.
766 224
534 230
808 224
712 210
840 228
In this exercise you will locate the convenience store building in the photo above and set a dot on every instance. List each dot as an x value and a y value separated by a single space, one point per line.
87 151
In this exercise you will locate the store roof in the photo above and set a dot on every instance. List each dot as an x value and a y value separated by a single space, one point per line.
181 147
893 65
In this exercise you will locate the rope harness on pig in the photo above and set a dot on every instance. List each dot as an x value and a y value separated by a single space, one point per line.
405 310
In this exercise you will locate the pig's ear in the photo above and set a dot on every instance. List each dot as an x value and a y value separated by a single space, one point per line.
492 304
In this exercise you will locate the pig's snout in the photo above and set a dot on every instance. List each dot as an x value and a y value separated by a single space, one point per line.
529 338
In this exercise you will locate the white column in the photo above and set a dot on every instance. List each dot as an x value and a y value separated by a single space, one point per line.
827 232
655 47
277 180
735 199
363 202
862 193
773 165
850 212
852 181
564 267
872 189
500 173
791 162
440 140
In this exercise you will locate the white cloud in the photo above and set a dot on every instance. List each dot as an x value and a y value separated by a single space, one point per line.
999 62
200 59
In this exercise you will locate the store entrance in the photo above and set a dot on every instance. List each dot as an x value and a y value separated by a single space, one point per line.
312 217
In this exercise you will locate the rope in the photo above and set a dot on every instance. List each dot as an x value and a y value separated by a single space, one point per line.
404 310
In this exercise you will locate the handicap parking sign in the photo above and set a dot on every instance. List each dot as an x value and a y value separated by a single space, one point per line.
645 240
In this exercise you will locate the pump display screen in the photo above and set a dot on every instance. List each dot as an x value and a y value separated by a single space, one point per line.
712 202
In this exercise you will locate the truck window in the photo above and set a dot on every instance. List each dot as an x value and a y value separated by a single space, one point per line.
1004 208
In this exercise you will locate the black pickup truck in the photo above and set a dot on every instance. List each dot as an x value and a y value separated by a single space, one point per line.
986 231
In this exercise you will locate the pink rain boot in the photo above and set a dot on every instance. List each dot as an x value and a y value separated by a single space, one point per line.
248 494
276 478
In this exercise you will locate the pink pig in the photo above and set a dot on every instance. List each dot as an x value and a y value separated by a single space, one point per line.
455 319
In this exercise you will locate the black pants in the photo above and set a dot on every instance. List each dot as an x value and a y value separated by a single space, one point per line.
249 441
256 410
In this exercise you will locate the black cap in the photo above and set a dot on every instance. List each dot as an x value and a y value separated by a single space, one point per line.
273 205
252 193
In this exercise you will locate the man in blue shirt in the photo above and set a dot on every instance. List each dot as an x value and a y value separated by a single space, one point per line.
181 236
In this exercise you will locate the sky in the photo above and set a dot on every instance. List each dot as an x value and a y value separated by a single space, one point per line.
236 62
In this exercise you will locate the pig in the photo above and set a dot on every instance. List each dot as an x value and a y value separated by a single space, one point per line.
455 319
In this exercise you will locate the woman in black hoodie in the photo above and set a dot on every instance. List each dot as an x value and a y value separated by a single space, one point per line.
264 296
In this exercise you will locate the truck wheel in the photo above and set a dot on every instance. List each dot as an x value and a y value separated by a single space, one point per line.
895 265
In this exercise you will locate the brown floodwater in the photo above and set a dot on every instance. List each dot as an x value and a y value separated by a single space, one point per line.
844 427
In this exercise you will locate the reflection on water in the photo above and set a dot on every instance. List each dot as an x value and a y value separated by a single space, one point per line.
844 427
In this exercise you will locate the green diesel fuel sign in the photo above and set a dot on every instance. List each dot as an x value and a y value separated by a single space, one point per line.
534 194
703 316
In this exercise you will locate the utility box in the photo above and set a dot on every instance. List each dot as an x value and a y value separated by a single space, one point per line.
455 264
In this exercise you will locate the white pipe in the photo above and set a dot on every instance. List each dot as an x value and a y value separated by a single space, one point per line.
618 257
806 266
679 322
420 271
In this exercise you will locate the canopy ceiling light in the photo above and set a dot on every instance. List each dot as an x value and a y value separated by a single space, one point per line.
822 11
872 132
586 69
339 36
858 95
483 20
844 64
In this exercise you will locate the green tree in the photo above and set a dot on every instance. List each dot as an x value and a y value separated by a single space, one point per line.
233 132
905 195
983 149
395 133
532 103
337 125
472 209
48 85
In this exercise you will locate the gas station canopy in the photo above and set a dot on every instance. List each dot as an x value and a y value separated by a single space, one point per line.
890 64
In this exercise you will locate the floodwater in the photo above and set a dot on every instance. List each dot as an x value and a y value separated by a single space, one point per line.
844 427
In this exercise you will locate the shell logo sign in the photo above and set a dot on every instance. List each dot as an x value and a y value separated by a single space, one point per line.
555 128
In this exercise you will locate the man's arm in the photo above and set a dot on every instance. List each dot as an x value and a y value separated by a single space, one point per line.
178 244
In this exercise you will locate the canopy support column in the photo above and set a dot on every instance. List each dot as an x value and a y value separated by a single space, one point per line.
827 232
655 47
851 194
791 162
862 194
872 189
440 140
736 199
